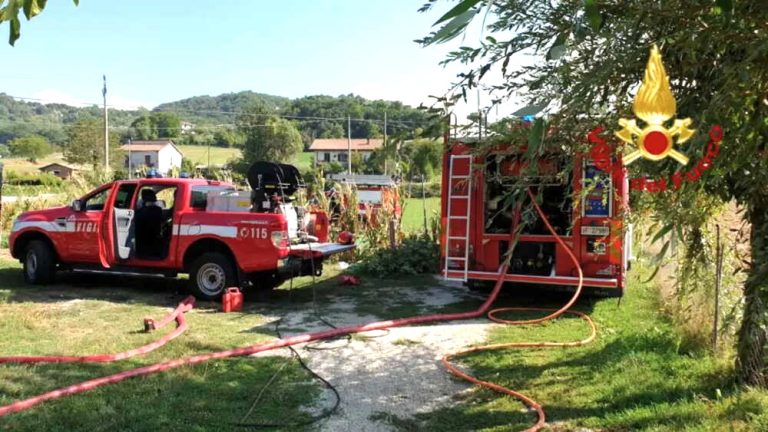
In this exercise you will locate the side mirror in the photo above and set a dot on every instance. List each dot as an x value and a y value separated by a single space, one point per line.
77 205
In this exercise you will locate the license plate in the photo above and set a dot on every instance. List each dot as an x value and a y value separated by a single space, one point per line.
595 230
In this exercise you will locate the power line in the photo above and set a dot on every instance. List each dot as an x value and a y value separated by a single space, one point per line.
236 113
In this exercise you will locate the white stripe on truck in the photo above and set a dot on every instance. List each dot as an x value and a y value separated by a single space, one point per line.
195 230
45 226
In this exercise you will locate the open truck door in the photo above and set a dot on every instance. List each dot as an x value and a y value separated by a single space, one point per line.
117 227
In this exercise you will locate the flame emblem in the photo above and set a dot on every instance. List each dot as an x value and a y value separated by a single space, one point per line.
655 104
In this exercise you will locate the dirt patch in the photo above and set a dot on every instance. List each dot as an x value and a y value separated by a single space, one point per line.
393 372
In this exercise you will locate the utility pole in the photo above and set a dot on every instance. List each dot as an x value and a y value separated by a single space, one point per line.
106 127
384 149
130 173
349 145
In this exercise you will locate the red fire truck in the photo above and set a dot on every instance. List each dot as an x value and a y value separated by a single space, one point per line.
162 226
374 193
477 220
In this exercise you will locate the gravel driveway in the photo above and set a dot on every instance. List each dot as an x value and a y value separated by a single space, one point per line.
390 373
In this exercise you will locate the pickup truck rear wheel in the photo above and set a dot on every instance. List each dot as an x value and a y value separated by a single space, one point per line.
39 263
210 274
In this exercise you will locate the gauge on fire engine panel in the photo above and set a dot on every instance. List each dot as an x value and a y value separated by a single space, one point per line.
597 203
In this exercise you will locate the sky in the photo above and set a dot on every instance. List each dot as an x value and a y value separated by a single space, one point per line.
156 51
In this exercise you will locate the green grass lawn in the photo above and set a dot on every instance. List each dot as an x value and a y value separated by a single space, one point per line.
413 214
104 315
637 376
199 154
23 166
304 161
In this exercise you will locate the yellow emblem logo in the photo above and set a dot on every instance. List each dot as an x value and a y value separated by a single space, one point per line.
654 104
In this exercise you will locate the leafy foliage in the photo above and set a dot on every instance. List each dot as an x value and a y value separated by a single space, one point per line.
425 158
32 147
86 144
415 255
10 13
19 119
156 125
267 137
593 53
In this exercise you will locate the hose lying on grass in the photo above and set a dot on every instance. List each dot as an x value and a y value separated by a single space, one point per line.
378 325
446 360
149 325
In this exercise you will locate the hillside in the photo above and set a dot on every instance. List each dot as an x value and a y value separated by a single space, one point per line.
221 109
316 116
22 118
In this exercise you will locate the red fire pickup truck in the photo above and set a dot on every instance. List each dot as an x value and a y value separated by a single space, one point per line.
219 236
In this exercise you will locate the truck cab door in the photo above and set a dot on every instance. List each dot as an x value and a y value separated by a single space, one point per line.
123 224
83 242
116 237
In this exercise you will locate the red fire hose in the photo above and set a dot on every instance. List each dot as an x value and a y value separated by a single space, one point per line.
309 337
149 324
446 360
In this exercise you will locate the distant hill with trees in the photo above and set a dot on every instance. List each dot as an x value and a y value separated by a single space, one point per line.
215 118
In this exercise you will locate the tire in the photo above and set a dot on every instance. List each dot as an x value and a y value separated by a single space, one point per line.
39 263
211 274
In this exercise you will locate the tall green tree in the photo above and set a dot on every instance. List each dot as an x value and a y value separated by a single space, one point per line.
143 129
156 125
166 124
426 157
33 147
268 138
593 54
86 145
227 138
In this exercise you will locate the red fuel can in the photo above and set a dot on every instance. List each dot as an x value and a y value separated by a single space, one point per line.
232 300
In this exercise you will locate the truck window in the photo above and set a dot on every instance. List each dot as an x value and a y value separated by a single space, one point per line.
124 196
162 196
199 198
96 202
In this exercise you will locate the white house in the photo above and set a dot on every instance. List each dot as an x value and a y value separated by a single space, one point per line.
161 155
187 127
328 150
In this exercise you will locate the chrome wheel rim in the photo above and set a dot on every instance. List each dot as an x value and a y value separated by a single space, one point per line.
31 262
211 279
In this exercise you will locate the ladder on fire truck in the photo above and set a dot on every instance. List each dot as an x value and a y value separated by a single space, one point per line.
462 225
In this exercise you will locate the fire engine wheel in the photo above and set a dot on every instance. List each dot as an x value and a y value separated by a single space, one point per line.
39 263
210 275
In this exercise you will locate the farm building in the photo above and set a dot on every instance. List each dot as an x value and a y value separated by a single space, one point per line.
59 170
161 155
327 150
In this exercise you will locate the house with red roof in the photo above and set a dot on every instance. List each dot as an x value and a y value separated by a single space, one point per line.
327 150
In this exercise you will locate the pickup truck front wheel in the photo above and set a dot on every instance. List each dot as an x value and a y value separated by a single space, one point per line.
210 275
39 263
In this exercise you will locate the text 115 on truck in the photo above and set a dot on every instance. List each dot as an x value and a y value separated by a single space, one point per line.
220 236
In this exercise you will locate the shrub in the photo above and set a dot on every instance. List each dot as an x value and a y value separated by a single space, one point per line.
414 189
415 255
38 179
